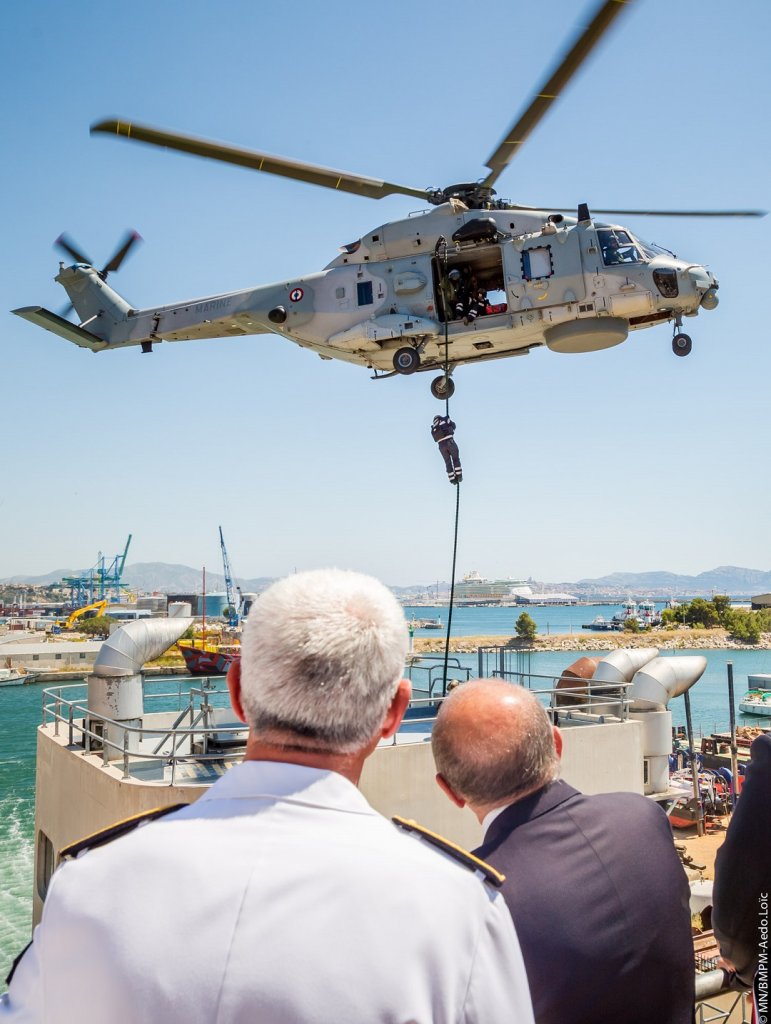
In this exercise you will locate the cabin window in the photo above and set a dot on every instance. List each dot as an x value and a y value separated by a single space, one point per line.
45 863
364 293
340 293
537 263
82 657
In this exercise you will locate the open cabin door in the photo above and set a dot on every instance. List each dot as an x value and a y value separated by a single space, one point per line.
480 267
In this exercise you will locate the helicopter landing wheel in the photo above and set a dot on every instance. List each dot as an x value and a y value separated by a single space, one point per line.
406 360
681 344
443 387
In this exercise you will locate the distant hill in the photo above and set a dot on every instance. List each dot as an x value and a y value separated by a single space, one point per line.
150 576
725 579
182 579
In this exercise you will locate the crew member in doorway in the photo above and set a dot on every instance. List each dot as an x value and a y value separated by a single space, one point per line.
459 294
477 306
442 431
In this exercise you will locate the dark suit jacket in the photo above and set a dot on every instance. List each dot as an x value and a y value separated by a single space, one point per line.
743 867
600 903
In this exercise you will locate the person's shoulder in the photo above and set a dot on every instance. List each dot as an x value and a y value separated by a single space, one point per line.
115 831
623 806
761 747
434 844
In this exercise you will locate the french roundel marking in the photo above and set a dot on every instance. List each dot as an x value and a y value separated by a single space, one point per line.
296 294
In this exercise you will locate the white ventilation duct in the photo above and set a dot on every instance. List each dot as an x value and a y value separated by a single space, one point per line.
620 666
136 643
664 678
115 694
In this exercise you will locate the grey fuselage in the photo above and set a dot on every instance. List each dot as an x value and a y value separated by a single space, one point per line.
388 290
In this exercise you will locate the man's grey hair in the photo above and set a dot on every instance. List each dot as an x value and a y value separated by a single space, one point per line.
322 654
486 765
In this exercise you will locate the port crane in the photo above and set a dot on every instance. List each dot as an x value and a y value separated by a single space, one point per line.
99 582
233 617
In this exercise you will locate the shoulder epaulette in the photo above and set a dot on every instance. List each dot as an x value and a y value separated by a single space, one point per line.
456 852
120 828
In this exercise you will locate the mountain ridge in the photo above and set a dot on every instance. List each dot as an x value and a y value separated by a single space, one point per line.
167 577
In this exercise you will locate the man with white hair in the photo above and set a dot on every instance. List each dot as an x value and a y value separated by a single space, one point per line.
594 885
281 896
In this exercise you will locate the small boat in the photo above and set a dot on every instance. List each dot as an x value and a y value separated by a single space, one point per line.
426 624
602 625
756 702
16 677
647 614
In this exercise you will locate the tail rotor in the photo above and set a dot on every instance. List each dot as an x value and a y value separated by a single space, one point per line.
127 243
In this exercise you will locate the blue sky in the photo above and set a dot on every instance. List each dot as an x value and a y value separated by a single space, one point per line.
629 459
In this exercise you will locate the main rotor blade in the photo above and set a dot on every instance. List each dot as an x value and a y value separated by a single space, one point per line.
129 241
551 89
685 213
665 213
343 181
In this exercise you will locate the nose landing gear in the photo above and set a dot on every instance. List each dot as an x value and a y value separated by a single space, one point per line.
681 343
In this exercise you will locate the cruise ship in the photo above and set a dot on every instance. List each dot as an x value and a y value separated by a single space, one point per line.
474 590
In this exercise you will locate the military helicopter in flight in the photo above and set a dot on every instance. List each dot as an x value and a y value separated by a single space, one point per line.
473 278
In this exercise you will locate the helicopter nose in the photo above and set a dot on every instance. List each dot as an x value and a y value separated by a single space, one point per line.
705 285
709 299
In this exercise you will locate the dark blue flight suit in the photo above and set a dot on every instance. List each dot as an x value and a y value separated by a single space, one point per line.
442 430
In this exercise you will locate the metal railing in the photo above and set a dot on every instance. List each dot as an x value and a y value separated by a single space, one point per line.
200 735
92 732
568 700
429 669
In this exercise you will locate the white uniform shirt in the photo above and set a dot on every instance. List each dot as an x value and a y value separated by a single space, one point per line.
279 897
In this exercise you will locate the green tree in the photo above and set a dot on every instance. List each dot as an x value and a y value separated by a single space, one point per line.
671 616
701 613
97 625
526 628
631 626
722 603
744 625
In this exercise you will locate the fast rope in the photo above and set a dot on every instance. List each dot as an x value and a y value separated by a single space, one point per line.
452 592
457 483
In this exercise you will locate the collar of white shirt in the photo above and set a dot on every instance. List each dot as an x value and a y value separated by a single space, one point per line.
490 817
278 780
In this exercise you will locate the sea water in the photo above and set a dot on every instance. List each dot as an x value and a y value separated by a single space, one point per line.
21 711
549 619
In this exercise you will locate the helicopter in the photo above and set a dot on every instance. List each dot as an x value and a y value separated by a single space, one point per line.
473 277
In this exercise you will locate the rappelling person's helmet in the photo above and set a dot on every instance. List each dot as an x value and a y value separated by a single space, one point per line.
454 275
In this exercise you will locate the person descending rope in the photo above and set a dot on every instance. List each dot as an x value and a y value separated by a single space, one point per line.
442 431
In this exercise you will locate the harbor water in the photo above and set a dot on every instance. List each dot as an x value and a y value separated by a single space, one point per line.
20 714
549 619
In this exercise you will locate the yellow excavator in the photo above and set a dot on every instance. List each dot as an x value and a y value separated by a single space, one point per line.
88 610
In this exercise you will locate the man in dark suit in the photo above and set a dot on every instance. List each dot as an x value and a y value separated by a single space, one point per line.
594 885
743 874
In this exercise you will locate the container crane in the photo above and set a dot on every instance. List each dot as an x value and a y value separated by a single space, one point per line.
100 582
233 617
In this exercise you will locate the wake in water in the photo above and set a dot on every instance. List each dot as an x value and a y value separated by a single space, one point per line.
17 849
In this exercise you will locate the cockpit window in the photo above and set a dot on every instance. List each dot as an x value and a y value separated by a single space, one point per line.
651 250
618 247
